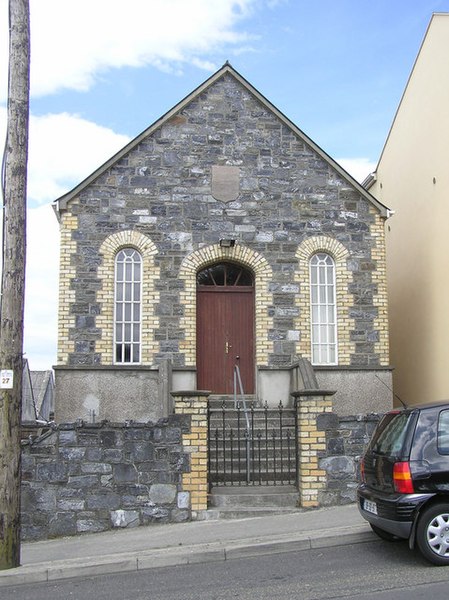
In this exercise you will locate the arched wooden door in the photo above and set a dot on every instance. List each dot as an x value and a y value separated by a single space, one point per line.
225 328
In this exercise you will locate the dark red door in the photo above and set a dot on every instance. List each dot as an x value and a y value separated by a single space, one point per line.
225 337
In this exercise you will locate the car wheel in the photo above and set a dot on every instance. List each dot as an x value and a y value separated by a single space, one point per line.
385 535
432 534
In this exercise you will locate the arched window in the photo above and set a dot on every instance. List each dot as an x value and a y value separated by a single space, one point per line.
323 309
127 320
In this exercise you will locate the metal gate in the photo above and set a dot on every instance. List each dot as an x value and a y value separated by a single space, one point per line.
252 446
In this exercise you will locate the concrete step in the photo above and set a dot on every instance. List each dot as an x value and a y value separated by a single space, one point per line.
235 502
257 498
247 512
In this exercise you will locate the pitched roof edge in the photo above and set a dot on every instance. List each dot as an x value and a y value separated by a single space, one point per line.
62 201
369 180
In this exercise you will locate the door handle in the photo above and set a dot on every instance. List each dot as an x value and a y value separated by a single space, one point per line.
227 347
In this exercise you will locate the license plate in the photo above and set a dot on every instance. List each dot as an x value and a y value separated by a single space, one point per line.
370 506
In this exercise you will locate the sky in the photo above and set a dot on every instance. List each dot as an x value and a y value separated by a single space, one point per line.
102 71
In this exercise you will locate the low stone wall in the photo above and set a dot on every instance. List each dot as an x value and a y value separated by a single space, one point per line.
80 478
346 440
87 477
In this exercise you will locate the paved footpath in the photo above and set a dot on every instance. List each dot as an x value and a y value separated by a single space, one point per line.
175 544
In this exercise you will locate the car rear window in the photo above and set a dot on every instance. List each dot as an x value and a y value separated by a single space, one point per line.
390 435
443 432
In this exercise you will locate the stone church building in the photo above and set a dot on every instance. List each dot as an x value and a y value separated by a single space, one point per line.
221 236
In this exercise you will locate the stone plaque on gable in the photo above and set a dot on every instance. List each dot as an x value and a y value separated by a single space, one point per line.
225 183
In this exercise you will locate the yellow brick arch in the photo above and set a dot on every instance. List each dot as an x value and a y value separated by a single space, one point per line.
105 296
343 276
244 256
322 243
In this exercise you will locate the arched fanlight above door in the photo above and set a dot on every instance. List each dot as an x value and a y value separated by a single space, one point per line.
225 275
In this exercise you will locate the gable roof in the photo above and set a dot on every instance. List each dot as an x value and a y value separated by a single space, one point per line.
61 203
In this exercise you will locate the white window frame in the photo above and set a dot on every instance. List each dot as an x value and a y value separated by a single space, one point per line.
128 307
323 310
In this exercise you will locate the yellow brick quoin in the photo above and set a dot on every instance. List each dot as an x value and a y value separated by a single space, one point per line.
69 224
195 443
380 278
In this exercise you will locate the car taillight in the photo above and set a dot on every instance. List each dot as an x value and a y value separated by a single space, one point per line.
402 478
362 470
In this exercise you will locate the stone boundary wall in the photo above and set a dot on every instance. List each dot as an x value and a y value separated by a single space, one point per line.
80 478
346 440
89 477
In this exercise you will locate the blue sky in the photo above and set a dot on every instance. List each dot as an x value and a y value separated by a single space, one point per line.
104 70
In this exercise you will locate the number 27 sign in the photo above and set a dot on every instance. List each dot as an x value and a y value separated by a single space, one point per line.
6 379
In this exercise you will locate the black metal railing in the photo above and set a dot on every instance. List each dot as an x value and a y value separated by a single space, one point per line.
252 446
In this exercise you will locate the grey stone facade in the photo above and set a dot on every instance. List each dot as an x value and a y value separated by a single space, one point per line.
85 478
288 192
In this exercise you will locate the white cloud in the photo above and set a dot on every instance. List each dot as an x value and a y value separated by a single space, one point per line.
41 292
72 43
359 168
64 149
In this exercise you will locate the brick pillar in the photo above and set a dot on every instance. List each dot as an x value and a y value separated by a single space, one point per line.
195 443
311 443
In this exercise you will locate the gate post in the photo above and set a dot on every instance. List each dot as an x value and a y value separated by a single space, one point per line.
195 443
311 443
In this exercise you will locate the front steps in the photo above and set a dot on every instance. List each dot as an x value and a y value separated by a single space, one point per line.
272 437
238 502
262 441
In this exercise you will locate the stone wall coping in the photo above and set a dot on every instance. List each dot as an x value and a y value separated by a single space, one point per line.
84 368
191 393
80 424
277 368
352 368
325 368
308 393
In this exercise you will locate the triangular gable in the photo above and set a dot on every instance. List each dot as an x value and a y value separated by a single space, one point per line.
61 203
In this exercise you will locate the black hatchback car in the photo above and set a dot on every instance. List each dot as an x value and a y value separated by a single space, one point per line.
404 489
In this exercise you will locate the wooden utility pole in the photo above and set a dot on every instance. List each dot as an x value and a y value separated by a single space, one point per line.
14 178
